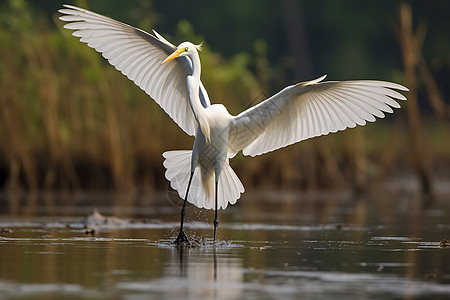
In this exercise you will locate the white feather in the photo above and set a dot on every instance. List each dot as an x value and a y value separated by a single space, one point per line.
310 109
178 170
119 43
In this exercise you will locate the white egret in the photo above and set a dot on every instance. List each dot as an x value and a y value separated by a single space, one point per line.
171 76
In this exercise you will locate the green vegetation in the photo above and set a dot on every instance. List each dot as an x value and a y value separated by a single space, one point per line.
68 120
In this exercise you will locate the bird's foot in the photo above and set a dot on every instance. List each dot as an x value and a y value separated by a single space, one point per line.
182 238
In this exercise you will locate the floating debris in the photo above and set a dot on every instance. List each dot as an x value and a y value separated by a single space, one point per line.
97 219
90 231
6 230
444 244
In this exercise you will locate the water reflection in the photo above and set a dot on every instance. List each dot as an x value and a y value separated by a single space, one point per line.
207 275
195 273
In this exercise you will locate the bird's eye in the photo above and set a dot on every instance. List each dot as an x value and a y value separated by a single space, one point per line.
186 49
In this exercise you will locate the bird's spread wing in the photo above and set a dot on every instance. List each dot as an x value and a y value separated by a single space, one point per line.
138 55
310 109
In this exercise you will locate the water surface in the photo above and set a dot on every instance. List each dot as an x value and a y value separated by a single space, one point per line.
271 245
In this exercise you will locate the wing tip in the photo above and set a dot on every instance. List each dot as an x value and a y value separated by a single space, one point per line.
401 88
396 86
317 80
72 7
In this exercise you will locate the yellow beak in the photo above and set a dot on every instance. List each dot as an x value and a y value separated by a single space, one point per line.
175 54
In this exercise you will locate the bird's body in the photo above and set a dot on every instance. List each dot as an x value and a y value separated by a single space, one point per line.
210 151
171 76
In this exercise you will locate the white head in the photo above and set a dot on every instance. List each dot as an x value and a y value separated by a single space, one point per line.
184 49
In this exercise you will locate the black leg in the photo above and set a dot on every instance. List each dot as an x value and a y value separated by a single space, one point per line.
182 237
216 221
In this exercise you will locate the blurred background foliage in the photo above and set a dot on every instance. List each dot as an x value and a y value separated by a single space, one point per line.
68 120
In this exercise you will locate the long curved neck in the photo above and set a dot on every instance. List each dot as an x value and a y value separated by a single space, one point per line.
193 82
196 66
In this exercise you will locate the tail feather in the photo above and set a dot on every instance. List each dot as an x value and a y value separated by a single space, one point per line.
178 165
178 169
